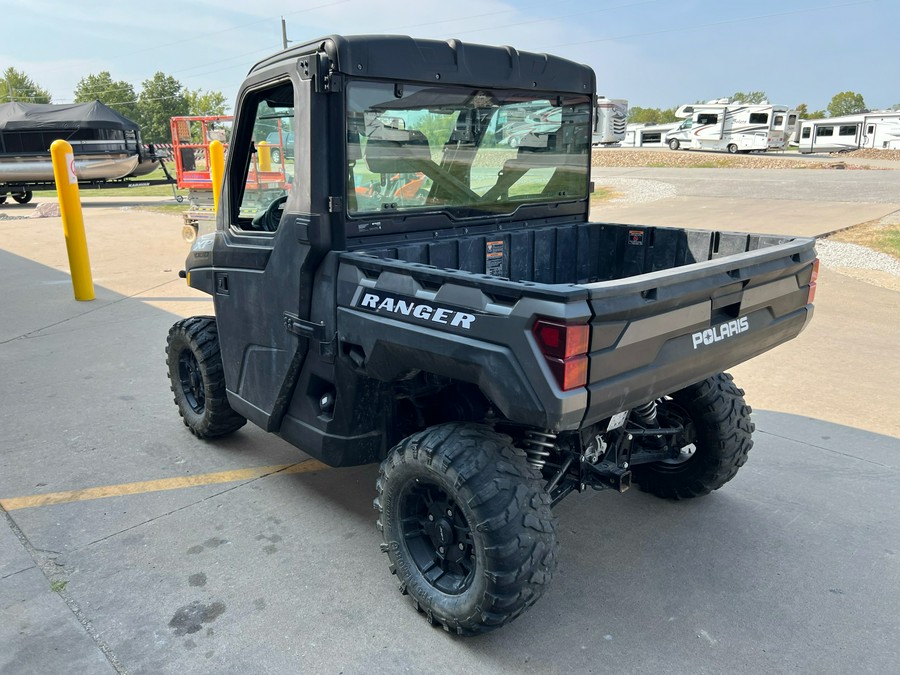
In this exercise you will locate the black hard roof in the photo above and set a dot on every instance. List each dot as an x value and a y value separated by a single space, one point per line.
399 57
18 116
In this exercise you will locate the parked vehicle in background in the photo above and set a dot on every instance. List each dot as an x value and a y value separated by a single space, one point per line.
879 129
610 121
647 135
282 145
732 126
106 147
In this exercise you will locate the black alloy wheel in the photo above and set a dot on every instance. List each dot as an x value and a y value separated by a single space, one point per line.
438 537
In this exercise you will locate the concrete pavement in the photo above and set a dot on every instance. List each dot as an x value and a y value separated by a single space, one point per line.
282 572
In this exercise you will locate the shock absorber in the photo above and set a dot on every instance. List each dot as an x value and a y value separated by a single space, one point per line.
537 446
646 414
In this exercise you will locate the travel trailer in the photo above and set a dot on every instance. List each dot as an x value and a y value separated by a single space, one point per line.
647 135
878 129
732 126
610 120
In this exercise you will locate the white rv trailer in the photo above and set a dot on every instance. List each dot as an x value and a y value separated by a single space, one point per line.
647 135
609 121
733 126
877 129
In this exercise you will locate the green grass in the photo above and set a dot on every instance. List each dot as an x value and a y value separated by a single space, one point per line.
58 585
602 194
889 242
883 238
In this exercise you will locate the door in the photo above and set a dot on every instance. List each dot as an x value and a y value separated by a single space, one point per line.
259 262
868 139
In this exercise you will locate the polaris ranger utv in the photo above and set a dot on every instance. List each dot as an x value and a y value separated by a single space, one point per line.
428 297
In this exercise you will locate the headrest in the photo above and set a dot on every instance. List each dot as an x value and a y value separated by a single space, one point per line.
390 150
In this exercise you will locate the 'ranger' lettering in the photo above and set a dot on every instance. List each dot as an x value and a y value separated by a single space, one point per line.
381 302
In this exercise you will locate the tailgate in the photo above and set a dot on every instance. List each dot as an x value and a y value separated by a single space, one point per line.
656 333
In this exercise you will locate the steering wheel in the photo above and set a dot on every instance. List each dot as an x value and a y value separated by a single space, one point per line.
268 220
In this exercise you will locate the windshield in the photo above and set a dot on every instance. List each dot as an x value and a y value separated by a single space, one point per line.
463 151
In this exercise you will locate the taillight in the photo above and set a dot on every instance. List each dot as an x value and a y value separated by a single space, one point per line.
565 349
812 282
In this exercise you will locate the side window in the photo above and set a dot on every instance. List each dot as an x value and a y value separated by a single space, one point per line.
266 139
824 131
805 133
707 118
759 118
849 130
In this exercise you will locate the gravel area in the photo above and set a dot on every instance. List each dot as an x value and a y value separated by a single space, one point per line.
6 216
637 190
854 256
870 153
620 157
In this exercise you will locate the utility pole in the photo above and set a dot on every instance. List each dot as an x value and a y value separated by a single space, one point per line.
284 40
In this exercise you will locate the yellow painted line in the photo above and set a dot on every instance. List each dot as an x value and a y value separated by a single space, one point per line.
175 483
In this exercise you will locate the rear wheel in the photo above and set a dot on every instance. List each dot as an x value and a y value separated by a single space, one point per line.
276 155
23 197
198 378
732 148
716 441
467 526
674 144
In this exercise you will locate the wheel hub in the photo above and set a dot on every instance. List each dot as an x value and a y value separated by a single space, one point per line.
438 537
191 381
443 533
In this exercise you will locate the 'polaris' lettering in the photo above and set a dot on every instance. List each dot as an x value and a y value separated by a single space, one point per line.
383 302
720 332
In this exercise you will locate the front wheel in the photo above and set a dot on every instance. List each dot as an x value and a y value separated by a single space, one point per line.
732 148
198 378
674 144
717 438
467 526
276 156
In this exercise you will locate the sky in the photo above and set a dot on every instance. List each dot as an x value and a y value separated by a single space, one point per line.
654 53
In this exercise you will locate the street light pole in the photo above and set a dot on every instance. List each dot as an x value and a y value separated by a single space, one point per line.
284 40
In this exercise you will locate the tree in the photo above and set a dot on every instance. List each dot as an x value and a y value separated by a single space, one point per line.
816 115
162 97
206 102
667 115
753 97
802 111
846 103
437 129
638 115
118 95
17 86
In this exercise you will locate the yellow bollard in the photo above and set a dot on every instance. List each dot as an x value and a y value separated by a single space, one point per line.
264 151
216 170
72 219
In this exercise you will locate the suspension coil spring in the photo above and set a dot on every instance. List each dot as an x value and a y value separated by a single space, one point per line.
538 445
646 414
